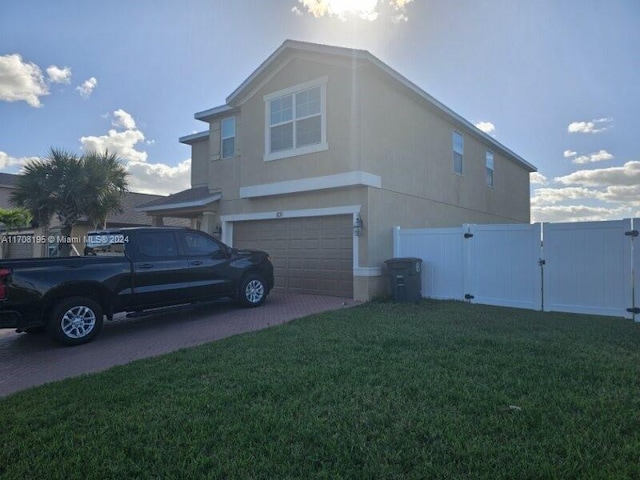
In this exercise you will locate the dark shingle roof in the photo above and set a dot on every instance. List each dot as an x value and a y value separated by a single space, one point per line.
8 180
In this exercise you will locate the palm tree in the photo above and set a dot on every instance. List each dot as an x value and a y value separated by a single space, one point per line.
71 186
106 184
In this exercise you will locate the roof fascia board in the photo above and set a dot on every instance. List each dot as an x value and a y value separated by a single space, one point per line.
194 137
207 115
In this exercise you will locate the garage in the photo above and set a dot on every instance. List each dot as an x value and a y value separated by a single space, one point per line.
310 254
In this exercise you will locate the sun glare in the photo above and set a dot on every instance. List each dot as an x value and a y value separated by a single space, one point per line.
364 9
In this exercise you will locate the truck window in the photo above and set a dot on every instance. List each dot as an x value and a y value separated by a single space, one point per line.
105 244
197 244
157 244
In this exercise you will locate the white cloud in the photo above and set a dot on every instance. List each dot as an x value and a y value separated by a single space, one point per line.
600 156
125 140
86 88
537 178
123 120
629 194
159 178
486 127
121 143
569 153
7 161
546 196
21 81
364 9
59 75
628 174
575 213
594 126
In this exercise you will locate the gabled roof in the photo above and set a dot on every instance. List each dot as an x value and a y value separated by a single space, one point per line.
193 197
273 63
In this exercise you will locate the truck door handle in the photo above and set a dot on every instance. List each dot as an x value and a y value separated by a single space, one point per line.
145 266
196 262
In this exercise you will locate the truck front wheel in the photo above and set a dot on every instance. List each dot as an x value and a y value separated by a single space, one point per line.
253 291
75 320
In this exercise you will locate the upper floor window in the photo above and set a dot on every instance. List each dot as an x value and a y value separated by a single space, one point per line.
228 137
296 120
489 164
458 152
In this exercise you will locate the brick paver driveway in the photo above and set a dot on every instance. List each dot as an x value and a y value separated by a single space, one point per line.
30 360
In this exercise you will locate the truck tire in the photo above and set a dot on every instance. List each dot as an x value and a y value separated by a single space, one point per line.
253 291
75 320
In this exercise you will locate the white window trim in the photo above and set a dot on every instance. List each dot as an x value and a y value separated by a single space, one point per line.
223 138
294 152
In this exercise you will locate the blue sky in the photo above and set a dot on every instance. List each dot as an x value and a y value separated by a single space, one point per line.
555 81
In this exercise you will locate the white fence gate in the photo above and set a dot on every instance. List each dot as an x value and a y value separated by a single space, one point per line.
589 267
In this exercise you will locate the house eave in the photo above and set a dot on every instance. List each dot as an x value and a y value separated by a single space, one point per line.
194 137
211 113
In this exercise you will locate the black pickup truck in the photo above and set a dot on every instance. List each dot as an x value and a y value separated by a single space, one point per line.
127 270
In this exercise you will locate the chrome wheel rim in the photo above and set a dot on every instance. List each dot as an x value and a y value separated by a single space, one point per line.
254 291
78 322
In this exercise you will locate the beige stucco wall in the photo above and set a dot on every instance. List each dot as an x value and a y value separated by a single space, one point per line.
412 150
200 163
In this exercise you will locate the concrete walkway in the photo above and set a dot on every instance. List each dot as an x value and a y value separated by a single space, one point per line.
29 360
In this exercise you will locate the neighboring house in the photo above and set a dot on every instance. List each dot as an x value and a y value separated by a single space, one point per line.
129 217
320 141
9 249
7 185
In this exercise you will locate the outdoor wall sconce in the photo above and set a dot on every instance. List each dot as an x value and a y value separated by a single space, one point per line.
358 226
217 231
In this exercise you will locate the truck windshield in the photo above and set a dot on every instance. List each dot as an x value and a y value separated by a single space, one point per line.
105 244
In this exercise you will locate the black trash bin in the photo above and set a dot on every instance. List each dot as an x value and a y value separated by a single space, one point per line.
406 279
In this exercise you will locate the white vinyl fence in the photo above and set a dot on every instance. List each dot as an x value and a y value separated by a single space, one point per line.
588 267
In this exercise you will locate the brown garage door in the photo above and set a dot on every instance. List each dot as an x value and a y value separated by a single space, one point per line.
310 255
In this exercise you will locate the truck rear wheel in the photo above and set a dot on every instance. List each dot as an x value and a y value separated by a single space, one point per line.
75 320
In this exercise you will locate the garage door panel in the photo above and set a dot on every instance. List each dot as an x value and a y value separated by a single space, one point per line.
310 255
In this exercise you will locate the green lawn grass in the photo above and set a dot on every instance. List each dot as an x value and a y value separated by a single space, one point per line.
436 390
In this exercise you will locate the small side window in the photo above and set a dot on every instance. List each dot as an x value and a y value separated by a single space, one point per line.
228 137
489 164
458 152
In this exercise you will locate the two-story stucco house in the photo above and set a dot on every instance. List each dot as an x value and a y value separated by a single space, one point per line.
321 151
